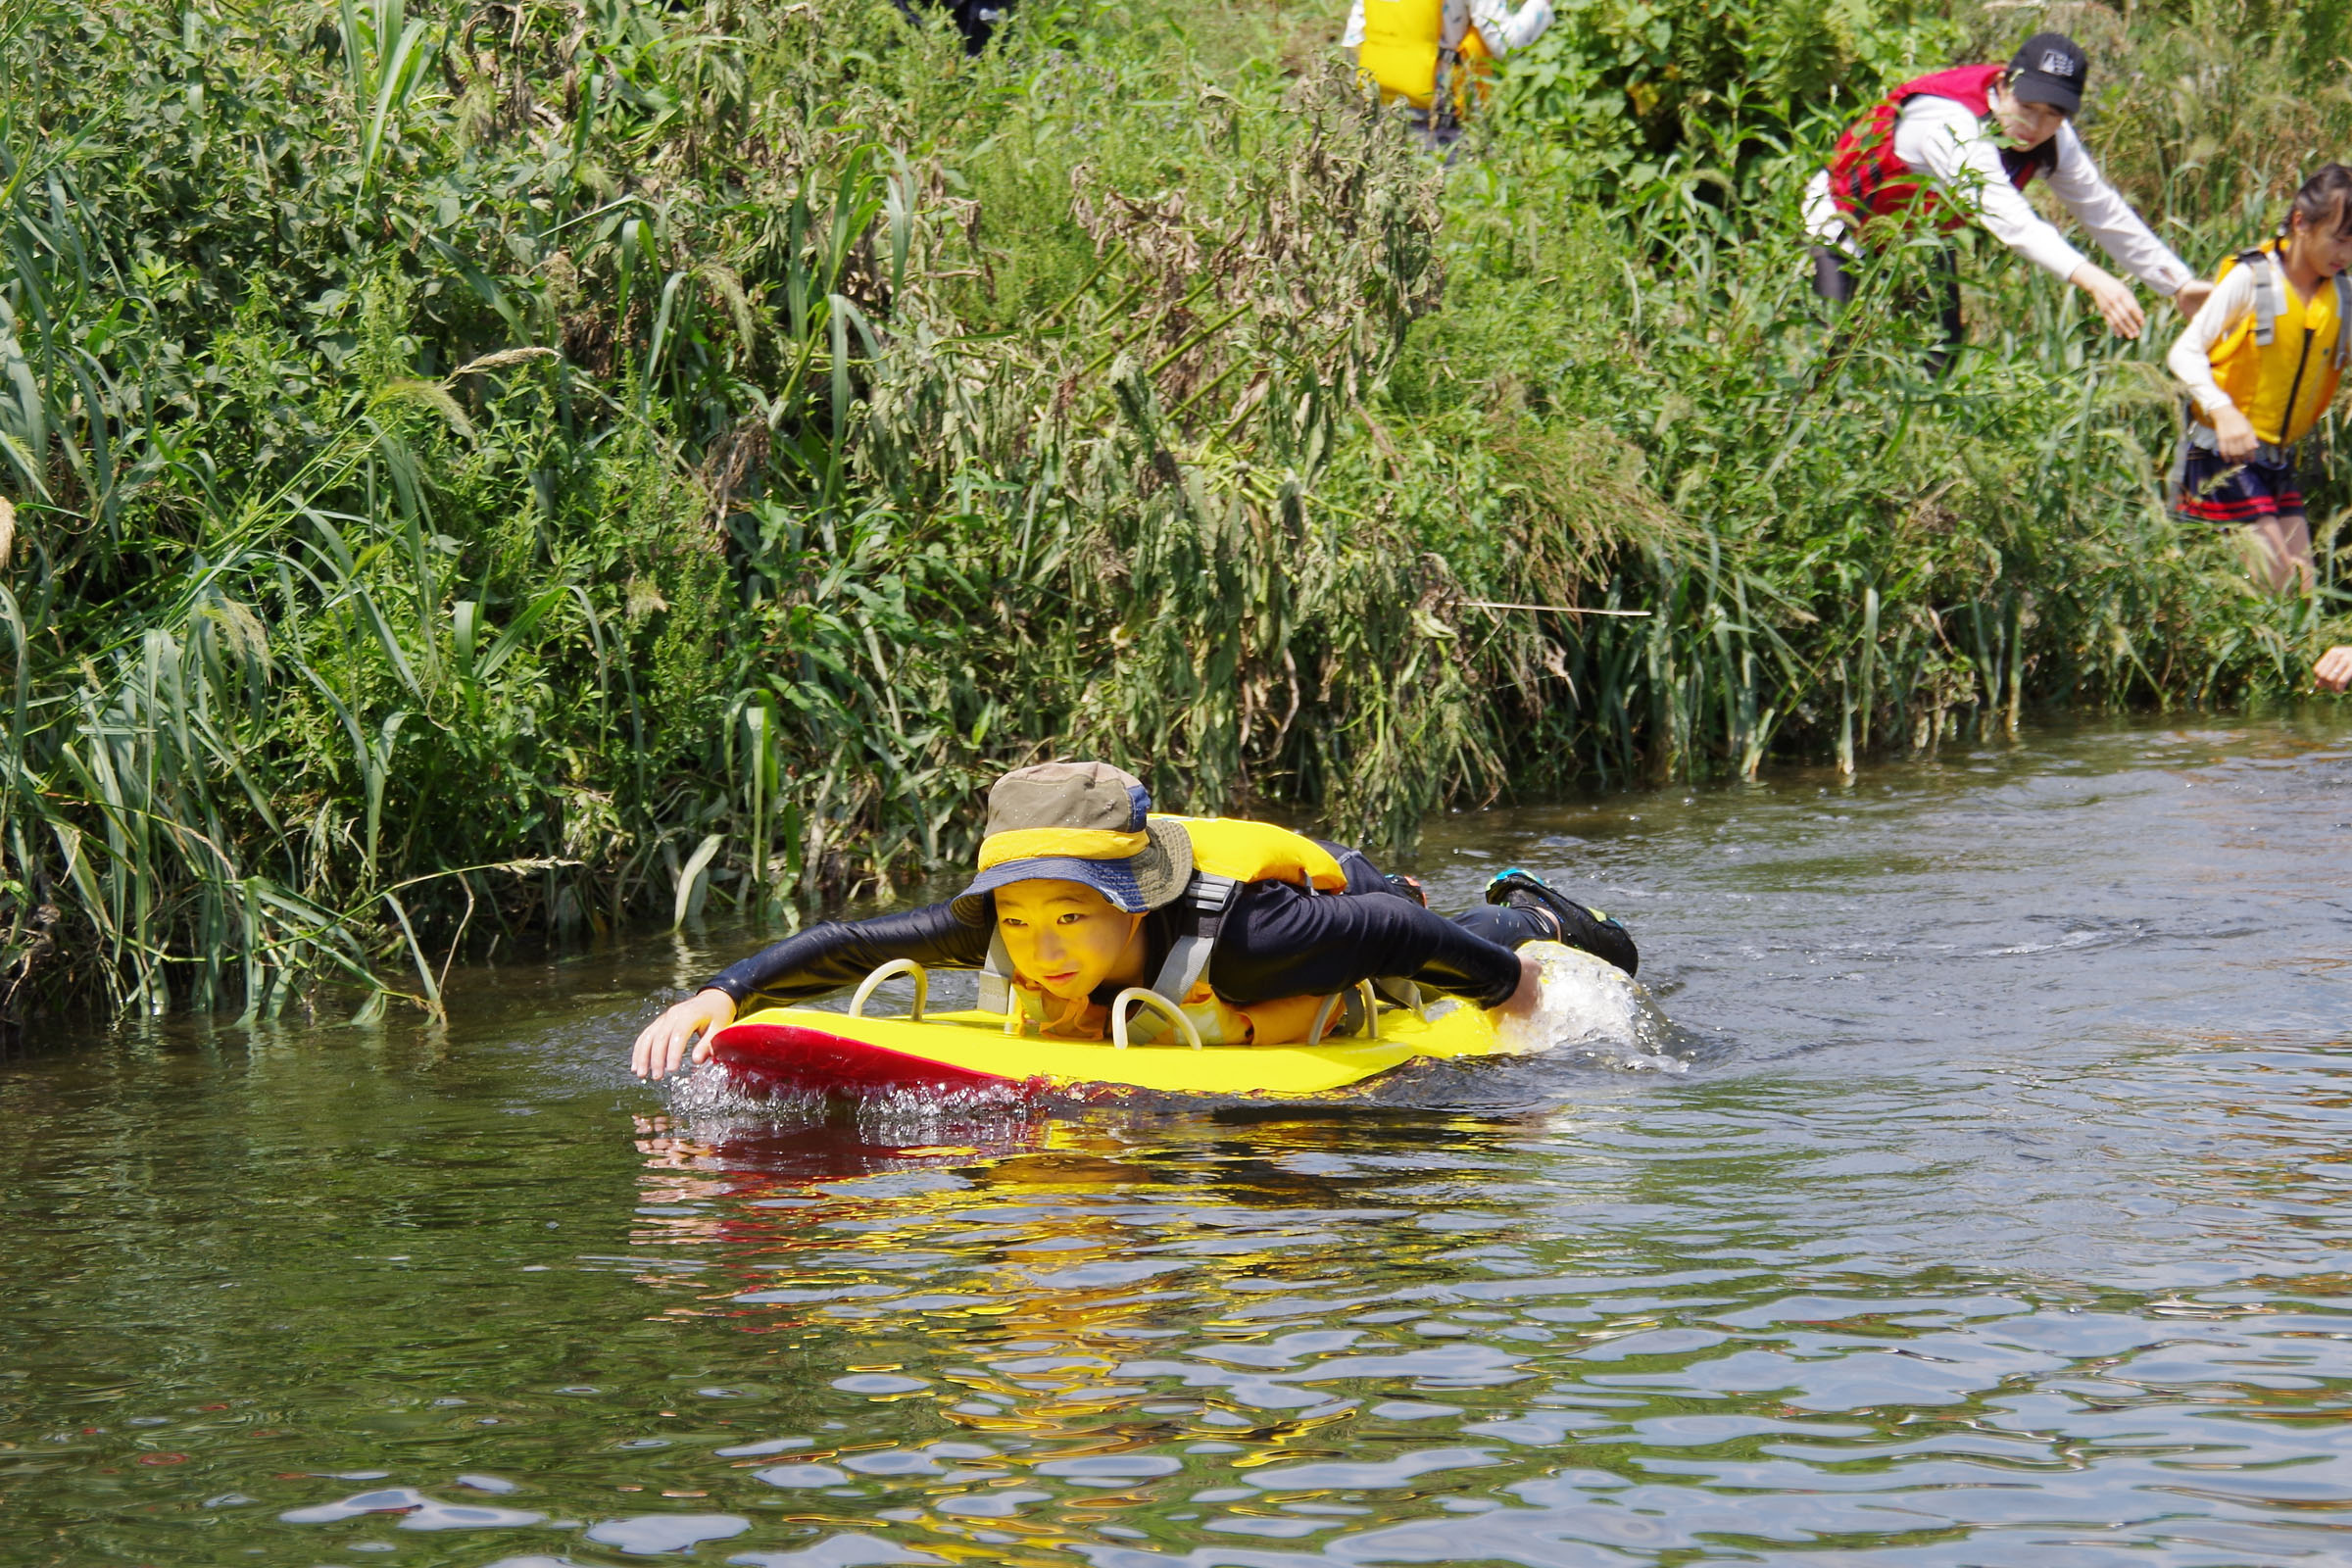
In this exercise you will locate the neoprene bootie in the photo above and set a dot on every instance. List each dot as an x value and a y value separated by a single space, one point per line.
1579 927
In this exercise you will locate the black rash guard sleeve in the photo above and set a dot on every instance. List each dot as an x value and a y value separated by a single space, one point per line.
826 957
1280 942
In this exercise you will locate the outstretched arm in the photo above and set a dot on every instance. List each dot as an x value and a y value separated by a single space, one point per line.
1504 28
2335 670
2121 231
1953 146
825 957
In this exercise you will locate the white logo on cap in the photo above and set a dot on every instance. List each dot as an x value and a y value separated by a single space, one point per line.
2057 64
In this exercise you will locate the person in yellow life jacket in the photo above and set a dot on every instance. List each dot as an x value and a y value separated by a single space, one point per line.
2262 362
1082 892
1433 56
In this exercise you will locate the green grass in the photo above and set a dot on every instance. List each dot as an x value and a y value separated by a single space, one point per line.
480 472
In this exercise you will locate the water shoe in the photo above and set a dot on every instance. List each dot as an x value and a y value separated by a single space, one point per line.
1579 927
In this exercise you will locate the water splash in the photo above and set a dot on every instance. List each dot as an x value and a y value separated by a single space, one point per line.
1592 1008
710 1093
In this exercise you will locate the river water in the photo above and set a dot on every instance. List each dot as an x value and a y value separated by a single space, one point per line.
1992 1211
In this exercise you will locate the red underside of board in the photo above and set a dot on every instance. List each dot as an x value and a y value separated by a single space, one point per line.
793 1056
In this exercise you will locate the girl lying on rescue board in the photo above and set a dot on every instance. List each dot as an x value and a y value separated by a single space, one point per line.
1082 891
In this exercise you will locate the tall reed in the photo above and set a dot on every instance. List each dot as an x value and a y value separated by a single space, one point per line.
481 471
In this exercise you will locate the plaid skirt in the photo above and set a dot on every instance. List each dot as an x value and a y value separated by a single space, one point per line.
2208 487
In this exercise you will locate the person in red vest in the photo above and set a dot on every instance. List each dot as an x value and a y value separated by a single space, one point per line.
1961 146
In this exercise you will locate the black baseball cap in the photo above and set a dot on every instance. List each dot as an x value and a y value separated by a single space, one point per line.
2049 69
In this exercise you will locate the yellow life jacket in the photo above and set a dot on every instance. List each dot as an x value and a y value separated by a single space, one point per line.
1258 852
1474 73
2282 363
1404 42
1226 853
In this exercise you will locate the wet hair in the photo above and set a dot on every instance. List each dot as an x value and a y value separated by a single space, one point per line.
2324 203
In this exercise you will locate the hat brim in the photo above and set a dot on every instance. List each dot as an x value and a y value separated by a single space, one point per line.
2033 87
1137 884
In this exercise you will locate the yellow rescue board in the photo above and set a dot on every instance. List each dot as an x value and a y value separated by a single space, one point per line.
833 1053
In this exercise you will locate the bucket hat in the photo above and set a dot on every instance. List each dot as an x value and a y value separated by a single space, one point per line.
1083 822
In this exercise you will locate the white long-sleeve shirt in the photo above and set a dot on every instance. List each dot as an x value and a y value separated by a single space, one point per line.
1940 139
2191 358
1500 25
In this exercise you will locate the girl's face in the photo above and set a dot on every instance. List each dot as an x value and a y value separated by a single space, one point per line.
2027 125
2326 249
1064 937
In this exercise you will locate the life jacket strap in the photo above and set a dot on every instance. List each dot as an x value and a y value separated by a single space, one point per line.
2268 300
1199 915
996 976
2344 321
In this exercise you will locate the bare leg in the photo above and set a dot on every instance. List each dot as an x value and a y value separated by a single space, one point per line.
2285 546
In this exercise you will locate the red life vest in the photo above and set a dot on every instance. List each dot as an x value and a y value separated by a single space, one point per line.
1868 181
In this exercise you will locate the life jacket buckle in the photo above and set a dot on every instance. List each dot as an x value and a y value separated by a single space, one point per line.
1360 997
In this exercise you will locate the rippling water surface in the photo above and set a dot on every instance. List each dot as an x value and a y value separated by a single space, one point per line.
1996 1215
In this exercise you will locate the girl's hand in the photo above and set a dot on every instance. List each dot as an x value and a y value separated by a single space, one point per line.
2233 435
2114 298
2335 671
1522 1003
2191 298
662 1045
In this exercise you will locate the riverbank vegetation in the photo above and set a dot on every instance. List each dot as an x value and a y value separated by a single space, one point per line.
479 469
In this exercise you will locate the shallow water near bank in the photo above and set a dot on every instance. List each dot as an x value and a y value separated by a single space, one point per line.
1996 1215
